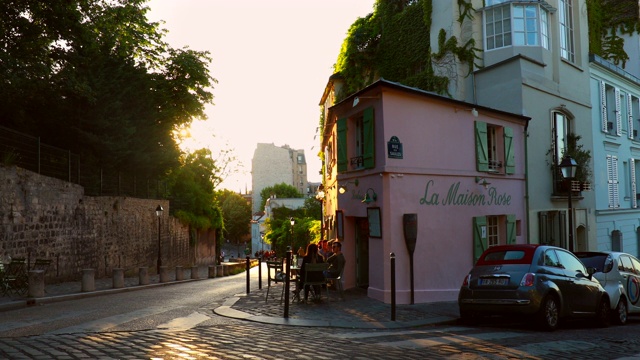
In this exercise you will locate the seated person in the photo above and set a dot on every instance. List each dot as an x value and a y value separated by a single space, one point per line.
336 261
310 257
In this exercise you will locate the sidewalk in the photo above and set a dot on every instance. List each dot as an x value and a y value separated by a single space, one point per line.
356 310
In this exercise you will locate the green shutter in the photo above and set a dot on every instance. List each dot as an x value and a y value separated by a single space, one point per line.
342 145
511 229
482 152
479 242
509 156
369 138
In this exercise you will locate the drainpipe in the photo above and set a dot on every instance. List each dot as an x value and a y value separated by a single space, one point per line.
526 181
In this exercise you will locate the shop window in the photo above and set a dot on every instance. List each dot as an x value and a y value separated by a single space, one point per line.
356 141
494 148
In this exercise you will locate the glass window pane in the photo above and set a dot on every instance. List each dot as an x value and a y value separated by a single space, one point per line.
499 41
490 30
507 25
532 11
498 28
518 24
531 25
532 39
518 39
518 11
507 39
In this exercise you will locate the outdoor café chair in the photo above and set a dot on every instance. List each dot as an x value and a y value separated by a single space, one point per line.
311 274
337 281
275 275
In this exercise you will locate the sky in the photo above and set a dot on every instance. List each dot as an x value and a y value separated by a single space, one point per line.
272 60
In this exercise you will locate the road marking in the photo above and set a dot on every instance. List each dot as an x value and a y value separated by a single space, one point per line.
184 323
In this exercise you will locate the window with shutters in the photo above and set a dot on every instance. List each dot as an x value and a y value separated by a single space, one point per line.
552 228
355 141
612 182
633 103
493 230
610 106
633 173
494 148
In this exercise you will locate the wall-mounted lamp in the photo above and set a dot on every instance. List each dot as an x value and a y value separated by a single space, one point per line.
343 188
482 181
320 194
370 196
474 112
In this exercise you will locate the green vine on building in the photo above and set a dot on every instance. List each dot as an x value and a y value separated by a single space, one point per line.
394 42
608 20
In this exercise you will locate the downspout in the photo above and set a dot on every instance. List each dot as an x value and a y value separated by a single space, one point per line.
526 181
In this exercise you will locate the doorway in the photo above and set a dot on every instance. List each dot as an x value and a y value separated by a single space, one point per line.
362 252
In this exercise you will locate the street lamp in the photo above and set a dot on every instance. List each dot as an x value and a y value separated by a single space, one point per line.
568 166
159 210
320 197
293 222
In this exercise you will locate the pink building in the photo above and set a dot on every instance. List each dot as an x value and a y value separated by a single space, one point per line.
456 169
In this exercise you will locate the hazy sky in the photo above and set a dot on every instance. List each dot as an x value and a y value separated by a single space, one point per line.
272 60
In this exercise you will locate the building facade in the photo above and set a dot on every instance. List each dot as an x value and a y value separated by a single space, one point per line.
391 152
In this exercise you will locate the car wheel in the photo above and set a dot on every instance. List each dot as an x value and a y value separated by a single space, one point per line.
620 315
603 316
549 314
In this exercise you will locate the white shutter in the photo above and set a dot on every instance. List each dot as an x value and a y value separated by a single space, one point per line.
632 170
603 106
618 113
630 116
612 181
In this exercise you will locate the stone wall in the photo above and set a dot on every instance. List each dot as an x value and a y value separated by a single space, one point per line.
42 217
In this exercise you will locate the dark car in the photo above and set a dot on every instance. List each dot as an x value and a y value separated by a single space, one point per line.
619 274
546 282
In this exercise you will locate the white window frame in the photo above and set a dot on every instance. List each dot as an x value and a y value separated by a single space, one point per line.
634 189
567 43
493 231
502 33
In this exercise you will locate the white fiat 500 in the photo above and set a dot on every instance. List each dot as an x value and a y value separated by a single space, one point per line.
619 274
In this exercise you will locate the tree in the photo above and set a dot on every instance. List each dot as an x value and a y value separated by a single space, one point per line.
237 215
281 190
95 77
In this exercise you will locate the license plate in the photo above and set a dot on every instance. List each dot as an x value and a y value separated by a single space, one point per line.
494 281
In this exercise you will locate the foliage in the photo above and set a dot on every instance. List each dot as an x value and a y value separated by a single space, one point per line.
236 213
576 151
192 192
281 190
394 42
279 231
95 77
607 20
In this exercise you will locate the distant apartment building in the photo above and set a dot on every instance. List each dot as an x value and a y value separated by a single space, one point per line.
272 165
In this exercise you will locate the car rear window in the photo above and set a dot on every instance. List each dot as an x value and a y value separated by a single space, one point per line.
594 260
511 256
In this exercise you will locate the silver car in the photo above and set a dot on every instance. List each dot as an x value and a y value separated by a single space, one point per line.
545 282
619 274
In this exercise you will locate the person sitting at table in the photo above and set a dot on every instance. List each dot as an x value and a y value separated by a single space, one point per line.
336 261
310 257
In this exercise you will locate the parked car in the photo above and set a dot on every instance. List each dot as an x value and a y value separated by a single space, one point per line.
619 274
546 282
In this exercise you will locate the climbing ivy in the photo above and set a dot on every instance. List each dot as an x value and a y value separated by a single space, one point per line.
607 20
394 42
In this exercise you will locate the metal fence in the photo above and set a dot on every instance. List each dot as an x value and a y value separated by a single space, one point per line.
29 153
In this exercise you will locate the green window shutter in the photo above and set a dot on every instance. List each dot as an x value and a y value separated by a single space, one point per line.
369 138
479 242
482 151
511 229
509 156
342 145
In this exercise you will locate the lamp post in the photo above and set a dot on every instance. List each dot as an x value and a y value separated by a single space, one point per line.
320 197
159 210
293 222
568 166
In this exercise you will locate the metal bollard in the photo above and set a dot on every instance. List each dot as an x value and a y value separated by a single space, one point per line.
248 273
287 265
260 272
118 278
88 280
393 287
164 274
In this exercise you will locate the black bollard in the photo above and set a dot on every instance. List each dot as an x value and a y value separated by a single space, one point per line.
248 266
260 272
287 265
393 286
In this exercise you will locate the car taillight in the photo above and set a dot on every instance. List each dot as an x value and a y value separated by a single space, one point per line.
466 280
528 279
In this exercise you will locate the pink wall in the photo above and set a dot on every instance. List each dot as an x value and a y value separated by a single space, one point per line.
438 161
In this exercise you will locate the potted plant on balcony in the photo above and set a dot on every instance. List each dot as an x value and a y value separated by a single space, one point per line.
582 180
